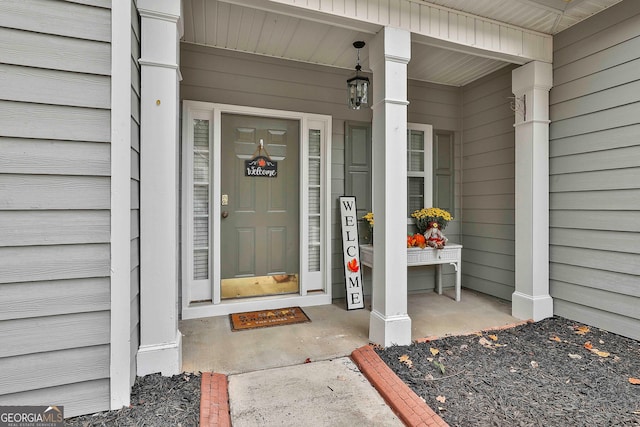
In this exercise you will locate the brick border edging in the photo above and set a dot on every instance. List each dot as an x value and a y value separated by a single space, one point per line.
407 405
214 400
404 402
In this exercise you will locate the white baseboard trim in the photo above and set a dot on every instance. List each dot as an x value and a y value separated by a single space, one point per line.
389 330
164 358
527 307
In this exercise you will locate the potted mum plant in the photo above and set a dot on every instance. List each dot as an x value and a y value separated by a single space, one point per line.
431 223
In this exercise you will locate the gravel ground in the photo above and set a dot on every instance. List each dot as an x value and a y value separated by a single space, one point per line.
551 373
155 401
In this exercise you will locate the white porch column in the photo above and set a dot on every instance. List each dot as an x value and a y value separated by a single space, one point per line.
531 84
160 341
389 53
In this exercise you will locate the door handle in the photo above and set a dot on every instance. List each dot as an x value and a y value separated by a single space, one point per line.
225 214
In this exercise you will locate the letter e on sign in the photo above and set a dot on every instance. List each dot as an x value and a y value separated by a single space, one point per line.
351 253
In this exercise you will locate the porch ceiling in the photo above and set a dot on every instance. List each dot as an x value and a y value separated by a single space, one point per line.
265 28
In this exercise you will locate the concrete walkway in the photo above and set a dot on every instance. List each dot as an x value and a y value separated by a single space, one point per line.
262 378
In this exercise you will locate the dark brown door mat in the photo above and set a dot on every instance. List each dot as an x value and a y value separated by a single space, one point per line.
264 318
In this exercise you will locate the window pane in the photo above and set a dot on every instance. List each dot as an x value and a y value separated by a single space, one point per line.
415 194
314 258
314 171
201 264
314 143
416 161
416 141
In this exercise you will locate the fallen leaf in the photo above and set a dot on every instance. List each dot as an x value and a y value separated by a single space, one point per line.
307 360
439 366
484 342
429 359
534 364
428 377
406 360
479 334
493 337
464 347
441 399
601 342
600 353
575 356
434 351
634 381
341 378
588 345
513 370
555 338
581 330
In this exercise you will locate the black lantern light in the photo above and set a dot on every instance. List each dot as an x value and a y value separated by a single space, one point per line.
358 86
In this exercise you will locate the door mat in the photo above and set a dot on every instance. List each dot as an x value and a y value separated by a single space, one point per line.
265 318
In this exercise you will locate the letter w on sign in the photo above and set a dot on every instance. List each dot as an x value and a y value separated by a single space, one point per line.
351 253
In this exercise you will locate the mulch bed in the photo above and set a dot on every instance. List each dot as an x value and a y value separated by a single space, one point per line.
555 372
155 401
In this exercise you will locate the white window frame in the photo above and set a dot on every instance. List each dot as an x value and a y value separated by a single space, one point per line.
319 282
427 173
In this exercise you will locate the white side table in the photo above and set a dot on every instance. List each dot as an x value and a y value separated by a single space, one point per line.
450 254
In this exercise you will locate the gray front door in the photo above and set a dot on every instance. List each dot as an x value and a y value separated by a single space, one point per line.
259 224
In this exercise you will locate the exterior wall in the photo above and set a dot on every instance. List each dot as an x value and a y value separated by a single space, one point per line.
135 189
215 75
595 171
55 204
488 186
439 106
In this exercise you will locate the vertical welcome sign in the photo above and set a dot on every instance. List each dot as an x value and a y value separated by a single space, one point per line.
351 253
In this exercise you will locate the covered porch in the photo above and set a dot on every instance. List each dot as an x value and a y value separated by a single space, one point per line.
333 332
285 60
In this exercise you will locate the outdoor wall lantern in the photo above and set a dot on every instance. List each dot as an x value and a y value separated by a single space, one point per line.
358 86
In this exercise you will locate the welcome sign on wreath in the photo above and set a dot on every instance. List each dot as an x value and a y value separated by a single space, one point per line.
261 166
351 253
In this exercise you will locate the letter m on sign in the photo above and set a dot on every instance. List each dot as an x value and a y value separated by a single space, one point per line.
351 253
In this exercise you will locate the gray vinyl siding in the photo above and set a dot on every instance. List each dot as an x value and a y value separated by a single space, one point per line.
135 190
55 204
488 186
439 106
221 76
595 171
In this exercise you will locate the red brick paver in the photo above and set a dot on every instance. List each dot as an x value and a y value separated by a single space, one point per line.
407 405
214 401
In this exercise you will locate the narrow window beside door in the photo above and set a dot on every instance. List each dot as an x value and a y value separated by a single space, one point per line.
201 199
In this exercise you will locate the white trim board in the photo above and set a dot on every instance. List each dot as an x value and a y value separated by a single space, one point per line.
120 244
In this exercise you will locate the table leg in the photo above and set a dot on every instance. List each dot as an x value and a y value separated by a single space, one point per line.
439 278
458 280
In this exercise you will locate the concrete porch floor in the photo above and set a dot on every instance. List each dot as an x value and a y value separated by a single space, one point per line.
210 345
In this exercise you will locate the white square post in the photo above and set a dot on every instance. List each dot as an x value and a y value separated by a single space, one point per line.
160 341
389 54
531 84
